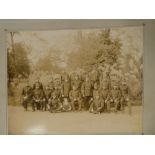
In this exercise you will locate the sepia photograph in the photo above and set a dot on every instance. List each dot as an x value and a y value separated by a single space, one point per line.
77 77
75 81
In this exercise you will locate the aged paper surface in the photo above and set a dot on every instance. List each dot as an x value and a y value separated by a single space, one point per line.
87 81
33 25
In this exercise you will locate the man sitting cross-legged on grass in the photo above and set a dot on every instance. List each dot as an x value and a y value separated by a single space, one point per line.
66 105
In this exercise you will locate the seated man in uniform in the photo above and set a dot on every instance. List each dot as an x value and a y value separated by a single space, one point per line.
27 95
54 101
47 95
38 96
66 105
96 103
75 98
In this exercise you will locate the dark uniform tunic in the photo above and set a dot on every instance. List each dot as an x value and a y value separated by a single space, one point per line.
96 93
75 95
54 102
76 84
87 88
105 95
65 77
48 93
65 89
38 96
87 92
27 92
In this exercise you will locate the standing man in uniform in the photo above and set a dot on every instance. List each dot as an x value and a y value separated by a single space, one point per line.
65 88
95 75
87 91
64 76
75 98
105 94
76 82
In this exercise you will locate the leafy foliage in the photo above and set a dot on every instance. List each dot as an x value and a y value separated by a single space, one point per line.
95 49
49 63
18 62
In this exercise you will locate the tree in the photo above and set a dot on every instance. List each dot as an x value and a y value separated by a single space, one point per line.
109 49
48 63
94 49
131 64
18 62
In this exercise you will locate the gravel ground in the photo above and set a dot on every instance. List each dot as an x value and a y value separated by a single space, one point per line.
21 122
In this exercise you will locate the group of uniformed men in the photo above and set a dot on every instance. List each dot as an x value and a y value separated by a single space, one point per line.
73 93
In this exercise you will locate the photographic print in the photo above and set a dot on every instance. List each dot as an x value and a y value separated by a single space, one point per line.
81 81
